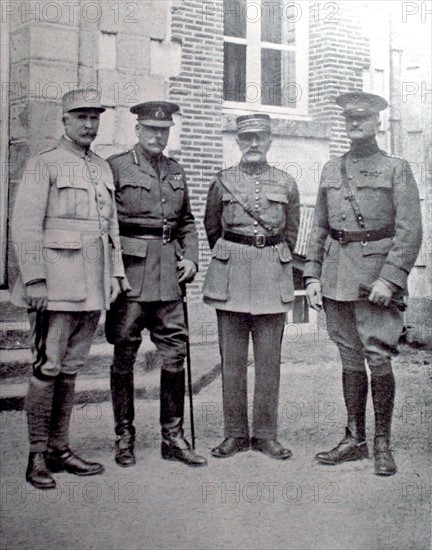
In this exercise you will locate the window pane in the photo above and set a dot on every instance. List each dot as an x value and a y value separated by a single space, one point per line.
235 18
234 72
277 22
278 78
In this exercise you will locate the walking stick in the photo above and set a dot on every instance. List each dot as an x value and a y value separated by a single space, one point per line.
188 364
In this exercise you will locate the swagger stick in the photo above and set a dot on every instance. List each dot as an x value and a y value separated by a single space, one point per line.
188 364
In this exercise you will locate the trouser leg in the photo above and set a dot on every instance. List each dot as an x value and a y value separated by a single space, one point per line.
233 330
267 332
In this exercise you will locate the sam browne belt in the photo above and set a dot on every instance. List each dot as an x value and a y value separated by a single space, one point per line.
361 236
260 241
166 232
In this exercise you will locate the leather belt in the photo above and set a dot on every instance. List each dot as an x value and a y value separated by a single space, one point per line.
361 236
166 232
260 241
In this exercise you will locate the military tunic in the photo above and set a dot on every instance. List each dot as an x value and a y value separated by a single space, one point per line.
152 196
246 278
65 228
387 194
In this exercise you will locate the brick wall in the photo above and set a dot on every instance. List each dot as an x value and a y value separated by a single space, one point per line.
200 32
338 56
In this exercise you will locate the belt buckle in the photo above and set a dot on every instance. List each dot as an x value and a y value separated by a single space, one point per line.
260 241
166 233
341 236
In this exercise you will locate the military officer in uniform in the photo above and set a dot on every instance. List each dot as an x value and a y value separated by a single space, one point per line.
160 252
251 219
367 231
65 234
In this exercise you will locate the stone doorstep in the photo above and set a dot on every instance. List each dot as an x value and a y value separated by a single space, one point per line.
205 368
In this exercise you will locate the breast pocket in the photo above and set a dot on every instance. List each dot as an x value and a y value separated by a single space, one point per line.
135 193
73 197
273 206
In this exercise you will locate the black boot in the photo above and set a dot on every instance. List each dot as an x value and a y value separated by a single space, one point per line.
174 445
63 402
353 446
383 393
37 472
59 457
122 393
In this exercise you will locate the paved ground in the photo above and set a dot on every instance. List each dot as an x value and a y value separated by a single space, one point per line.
247 501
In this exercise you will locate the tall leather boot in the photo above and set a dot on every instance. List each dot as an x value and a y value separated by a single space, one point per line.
60 457
174 445
383 394
353 446
122 393
63 402
39 401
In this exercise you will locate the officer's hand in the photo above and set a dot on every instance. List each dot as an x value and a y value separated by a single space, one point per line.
313 295
380 294
115 289
124 284
37 295
186 270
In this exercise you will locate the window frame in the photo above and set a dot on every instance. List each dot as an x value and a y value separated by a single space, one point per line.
254 47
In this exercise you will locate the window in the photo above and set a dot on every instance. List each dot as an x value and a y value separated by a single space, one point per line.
266 55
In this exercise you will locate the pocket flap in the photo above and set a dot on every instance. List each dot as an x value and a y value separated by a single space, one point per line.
62 182
137 180
221 251
176 181
284 252
133 247
277 197
227 197
382 246
61 239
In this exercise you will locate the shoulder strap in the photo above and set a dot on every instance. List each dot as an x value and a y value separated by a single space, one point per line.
247 207
350 194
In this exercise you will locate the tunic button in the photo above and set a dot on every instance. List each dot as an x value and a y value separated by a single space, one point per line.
101 206
343 217
256 207
100 194
355 161
255 223
163 200
255 231
350 177
102 218
257 190
257 198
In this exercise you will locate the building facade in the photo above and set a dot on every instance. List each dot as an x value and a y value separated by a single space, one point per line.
218 60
